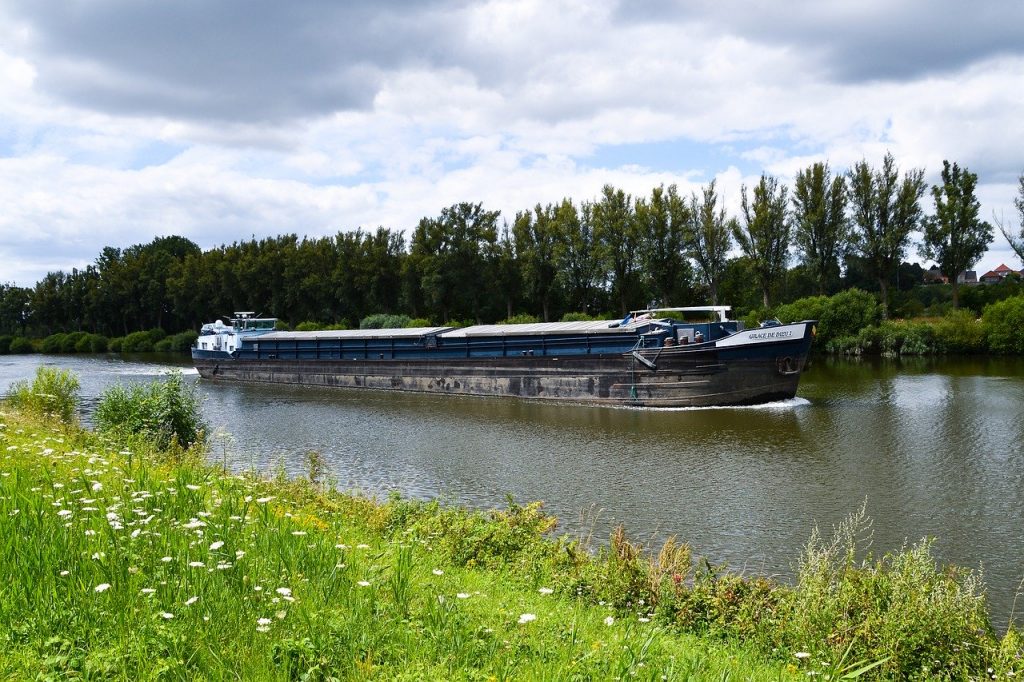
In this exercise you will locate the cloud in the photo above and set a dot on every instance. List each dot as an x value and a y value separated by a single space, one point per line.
237 60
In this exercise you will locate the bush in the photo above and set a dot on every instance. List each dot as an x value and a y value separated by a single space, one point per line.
847 313
70 342
1003 322
53 343
137 342
522 318
164 411
384 321
115 344
959 332
52 394
580 317
97 343
923 619
20 344
810 308
419 322
5 344
308 326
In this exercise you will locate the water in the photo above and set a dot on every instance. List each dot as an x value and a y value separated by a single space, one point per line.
934 448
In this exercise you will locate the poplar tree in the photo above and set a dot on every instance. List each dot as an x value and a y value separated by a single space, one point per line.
1016 241
662 220
885 213
578 255
764 235
955 237
536 238
708 238
616 230
821 230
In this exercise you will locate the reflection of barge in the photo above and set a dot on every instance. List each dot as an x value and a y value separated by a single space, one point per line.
652 358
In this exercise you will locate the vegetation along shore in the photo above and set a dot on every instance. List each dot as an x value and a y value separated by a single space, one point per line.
784 255
128 555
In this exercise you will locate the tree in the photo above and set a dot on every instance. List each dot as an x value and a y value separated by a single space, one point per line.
1016 241
536 237
615 229
821 229
885 212
579 257
954 237
764 236
662 223
708 238
451 254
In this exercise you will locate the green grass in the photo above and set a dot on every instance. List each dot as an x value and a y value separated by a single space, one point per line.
121 565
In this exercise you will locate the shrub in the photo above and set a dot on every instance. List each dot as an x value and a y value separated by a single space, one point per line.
20 344
115 344
1003 322
308 326
419 322
959 332
97 343
137 342
810 308
70 342
847 313
164 411
903 608
53 394
5 344
580 317
522 318
384 321
53 343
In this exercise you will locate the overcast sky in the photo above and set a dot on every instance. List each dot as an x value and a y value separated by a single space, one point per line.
123 120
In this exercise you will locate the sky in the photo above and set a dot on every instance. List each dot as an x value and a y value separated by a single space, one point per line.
223 121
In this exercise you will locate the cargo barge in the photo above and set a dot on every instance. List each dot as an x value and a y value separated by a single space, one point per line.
651 358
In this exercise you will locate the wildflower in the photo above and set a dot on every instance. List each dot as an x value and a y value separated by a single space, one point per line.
362 546
166 559
90 532
264 621
644 619
462 595
97 486
609 621
527 618
102 587
166 616
284 591
298 532
438 571
802 655
148 590
216 545
191 600
545 590
264 500
239 554
64 513
196 564
280 615
192 487
64 573
363 583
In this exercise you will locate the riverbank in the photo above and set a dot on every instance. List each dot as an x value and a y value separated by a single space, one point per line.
129 562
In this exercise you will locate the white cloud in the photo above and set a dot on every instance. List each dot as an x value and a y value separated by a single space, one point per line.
508 102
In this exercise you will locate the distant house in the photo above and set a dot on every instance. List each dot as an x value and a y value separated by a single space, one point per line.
934 276
999 274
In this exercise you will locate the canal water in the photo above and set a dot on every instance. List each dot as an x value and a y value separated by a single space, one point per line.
933 447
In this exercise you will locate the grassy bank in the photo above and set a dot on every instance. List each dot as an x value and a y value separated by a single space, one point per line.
122 559
140 564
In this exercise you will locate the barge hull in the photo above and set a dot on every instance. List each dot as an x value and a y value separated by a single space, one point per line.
679 378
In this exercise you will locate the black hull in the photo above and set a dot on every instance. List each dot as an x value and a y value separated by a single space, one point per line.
672 377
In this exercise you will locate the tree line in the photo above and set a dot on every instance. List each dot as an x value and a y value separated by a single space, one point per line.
605 256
